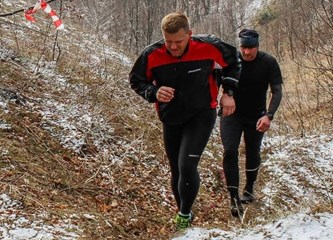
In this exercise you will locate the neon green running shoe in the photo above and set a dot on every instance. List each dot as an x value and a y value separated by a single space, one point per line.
183 222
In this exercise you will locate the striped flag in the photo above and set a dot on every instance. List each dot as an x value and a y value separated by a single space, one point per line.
42 4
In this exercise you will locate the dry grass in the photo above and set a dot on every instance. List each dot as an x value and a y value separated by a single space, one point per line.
130 199
307 103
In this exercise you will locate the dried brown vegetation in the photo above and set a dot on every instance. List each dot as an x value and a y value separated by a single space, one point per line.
125 190
125 198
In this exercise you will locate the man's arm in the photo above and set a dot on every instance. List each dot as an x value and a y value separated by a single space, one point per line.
229 73
140 82
264 122
227 76
275 100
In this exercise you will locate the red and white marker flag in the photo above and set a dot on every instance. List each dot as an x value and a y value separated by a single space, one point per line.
42 4
28 13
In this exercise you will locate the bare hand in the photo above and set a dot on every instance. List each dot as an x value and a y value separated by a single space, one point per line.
263 124
227 104
165 94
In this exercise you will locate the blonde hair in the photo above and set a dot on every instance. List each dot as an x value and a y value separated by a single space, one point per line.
175 21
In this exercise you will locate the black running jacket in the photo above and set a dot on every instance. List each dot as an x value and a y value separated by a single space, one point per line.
191 75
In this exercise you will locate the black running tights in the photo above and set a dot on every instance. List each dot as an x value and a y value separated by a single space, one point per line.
231 129
184 145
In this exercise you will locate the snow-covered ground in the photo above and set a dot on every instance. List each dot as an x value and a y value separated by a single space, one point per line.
310 157
304 154
295 227
301 154
74 119
15 224
300 226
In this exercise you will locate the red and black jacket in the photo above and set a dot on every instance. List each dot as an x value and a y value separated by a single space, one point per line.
191 75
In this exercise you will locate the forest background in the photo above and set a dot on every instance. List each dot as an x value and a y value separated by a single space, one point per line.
77 145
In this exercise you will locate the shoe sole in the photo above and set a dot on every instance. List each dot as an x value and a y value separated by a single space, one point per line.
248 198
237 211
246 201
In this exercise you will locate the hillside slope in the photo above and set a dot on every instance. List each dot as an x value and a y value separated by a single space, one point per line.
81 155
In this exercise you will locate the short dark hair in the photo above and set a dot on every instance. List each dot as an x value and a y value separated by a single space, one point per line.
175 21
248 38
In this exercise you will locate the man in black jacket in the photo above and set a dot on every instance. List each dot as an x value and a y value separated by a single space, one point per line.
177 73
251 118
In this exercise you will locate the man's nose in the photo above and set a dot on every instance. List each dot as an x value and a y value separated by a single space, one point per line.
173 46
247 50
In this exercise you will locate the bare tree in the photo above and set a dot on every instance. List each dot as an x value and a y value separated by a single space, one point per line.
135 24
304 30
96 13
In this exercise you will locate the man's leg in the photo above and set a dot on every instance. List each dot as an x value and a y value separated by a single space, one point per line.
172 138
231 132
195 136
253 140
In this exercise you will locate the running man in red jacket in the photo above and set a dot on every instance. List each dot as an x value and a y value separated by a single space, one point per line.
181 74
